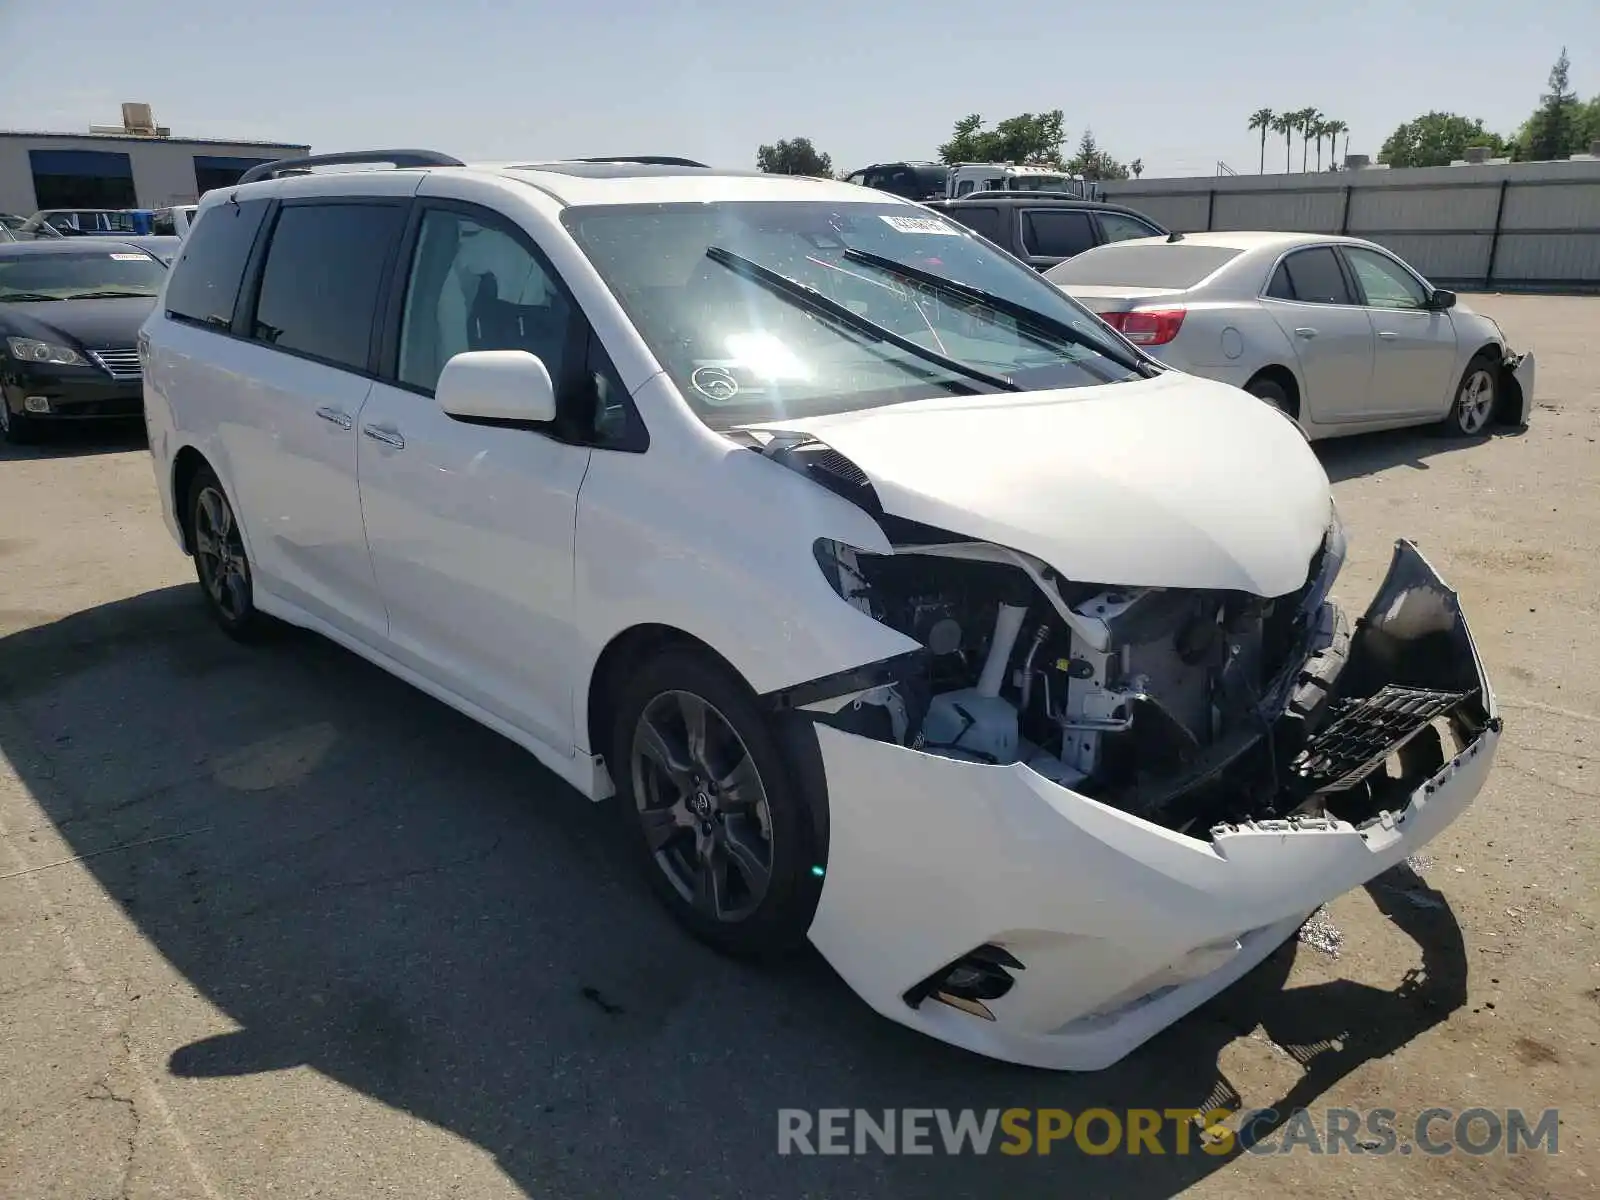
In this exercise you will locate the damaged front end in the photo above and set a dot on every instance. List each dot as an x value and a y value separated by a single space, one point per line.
1080 810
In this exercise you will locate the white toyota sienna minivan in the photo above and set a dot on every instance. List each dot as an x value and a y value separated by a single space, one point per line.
902 604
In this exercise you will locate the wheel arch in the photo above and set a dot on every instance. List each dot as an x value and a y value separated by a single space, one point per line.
1285 378
186 464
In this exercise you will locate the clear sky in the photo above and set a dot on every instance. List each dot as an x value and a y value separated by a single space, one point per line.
1163 80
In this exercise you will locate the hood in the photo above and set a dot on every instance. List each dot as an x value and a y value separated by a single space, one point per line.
95 324
1167 482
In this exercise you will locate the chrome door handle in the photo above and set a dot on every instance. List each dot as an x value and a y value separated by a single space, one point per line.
1387 335
1305 331
342 419
387 436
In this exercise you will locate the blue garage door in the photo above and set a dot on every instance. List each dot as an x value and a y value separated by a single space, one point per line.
82 179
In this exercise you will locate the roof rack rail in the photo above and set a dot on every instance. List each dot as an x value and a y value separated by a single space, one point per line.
645 160
302 166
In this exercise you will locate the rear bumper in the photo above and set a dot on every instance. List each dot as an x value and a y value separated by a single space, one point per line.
1121 926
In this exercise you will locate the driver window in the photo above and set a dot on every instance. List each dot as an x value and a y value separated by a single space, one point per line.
1384 282
474 286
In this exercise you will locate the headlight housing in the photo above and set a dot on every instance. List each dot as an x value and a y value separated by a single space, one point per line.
33 350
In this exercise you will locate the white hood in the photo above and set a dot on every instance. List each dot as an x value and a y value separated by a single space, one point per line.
1168 482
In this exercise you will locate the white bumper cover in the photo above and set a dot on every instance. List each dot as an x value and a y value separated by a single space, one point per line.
1122 926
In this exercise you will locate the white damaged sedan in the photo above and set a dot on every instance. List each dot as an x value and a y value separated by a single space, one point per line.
904 606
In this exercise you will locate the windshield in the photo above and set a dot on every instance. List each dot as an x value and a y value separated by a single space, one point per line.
108 274
702 284
1161 264
1040 183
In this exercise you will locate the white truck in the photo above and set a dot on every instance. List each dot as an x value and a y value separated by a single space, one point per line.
965 178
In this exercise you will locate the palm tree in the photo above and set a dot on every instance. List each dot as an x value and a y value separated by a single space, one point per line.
1284 123
1306 121
1262 119
1334 129
1137 167
1319 130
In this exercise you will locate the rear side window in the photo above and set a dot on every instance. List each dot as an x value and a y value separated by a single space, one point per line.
1119 227
163 224
205 279
1316 278
985 222
319 287
1164 265
1056 234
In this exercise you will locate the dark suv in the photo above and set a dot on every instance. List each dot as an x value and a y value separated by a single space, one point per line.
912 180
1044 230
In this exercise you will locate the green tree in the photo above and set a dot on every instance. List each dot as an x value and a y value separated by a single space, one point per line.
1306 122
1334 129
1436 139
1092 162
1549 132
1137 167
1262 119
1027 137
1284 123
793 156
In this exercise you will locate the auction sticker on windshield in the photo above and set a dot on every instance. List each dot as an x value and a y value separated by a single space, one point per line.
128 257
921 225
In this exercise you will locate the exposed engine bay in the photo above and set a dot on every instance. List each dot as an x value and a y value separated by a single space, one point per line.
1190 709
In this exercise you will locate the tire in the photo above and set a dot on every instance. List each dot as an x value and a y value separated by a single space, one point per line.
689 833
1472 411
18 429
1272 392
220 562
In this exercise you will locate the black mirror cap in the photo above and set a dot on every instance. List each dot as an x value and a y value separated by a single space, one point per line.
1442 298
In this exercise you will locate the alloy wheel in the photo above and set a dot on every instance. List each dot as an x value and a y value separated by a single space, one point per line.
1476 401
224 569
702 806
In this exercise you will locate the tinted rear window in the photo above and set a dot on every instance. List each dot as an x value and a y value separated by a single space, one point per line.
1166 265
320 283
205 279
985 222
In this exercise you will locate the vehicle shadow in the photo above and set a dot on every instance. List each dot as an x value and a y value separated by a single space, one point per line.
80 438
1368 453
371 885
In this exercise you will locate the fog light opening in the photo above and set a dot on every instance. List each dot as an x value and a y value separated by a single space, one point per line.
983 974
36 404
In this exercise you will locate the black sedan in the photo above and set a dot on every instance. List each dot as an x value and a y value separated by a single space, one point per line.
70 312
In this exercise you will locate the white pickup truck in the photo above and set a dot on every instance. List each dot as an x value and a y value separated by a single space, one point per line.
936 181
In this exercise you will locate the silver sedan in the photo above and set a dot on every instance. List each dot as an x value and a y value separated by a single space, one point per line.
1340 333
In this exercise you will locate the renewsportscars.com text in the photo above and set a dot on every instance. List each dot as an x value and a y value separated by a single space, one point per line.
1180 1131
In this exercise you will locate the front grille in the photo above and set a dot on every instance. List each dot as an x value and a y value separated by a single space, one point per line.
1365 732
120 363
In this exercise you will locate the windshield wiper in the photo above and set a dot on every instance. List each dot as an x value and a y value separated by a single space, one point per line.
25 298
814 301
1030 319
111 294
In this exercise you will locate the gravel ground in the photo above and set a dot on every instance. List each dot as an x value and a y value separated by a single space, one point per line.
325 937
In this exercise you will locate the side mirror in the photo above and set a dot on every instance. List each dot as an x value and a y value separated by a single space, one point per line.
497 385
1441 299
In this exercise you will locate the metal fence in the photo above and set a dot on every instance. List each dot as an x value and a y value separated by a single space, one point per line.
1513 227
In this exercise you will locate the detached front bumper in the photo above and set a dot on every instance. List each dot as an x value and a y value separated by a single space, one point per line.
1518 370
1119 926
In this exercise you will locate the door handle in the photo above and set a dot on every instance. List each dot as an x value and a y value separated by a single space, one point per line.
1305 331
341 419
1388 335
387 436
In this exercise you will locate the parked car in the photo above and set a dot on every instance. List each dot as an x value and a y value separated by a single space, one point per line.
87 222
70 313
1043 229
909 180
902 604
1340 333
174 221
